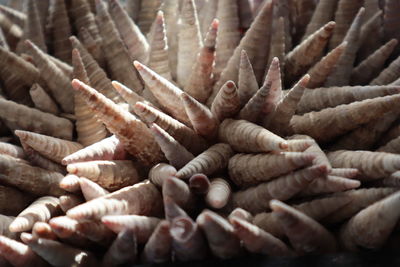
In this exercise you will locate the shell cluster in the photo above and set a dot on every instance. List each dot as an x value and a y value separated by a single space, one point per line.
149 131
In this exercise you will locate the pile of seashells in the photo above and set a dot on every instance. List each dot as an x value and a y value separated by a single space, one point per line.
149 131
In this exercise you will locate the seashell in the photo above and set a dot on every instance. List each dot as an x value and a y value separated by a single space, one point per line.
179 192
275 95
344 66
136 43
241 214
146 151
245 14
142 199
91 190
247 81
93 47
117 56
158 247
316 151
390 21
112 175
390 147
166 93
38 160
32 29
39 211
279 120
206 15
176 154
109 148
372 65
12 30
199 184
255 199
323 13
308 52
3 41
244 136
148 12
227 102
219 193
11 150
43 230
23 117
304 233
96 232
229 36
371 25
322 69
220 235
142 226
387 75
204 122
69 201
251 169
61 31
189 41
16 16
170 9
344 117
357 232
31 179
122 250
318 209
256 240
260 27
50 147
58 83
42 100
188 242
199 84
330 184
278 41
89 129
345 12
159 172
19 254
70 183
210 161
66 255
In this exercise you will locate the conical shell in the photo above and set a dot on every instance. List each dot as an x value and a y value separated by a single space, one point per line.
93 47
179 192
11 150
393 146
371 66
255 199
304 233
39 211
52 148
199 84
322 69
14 15
344 117
227 102
148 12
69 201
57 253
31 179
24 117
167 94
170 9
58 83
142 226
12 30
372 165
199 184
112 175
257 240
247 80
251 169
142 199
124 248
38 160
42 100
158 173
345 12
70 183
91 190
176 154
229 35
158 248
89 129
210 161
388 75
307 53
188 241
146 150
220 235
244 136
133 38
180 132
323 13
61 31
218 194
109 148
116 54
189 41
278 41
360 199
204 122
330 184
82 16
344 66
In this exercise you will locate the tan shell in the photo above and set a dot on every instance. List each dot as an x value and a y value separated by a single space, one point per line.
42 100
218 194
227 102
61 31
158 247
248 85
177 190
91 190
